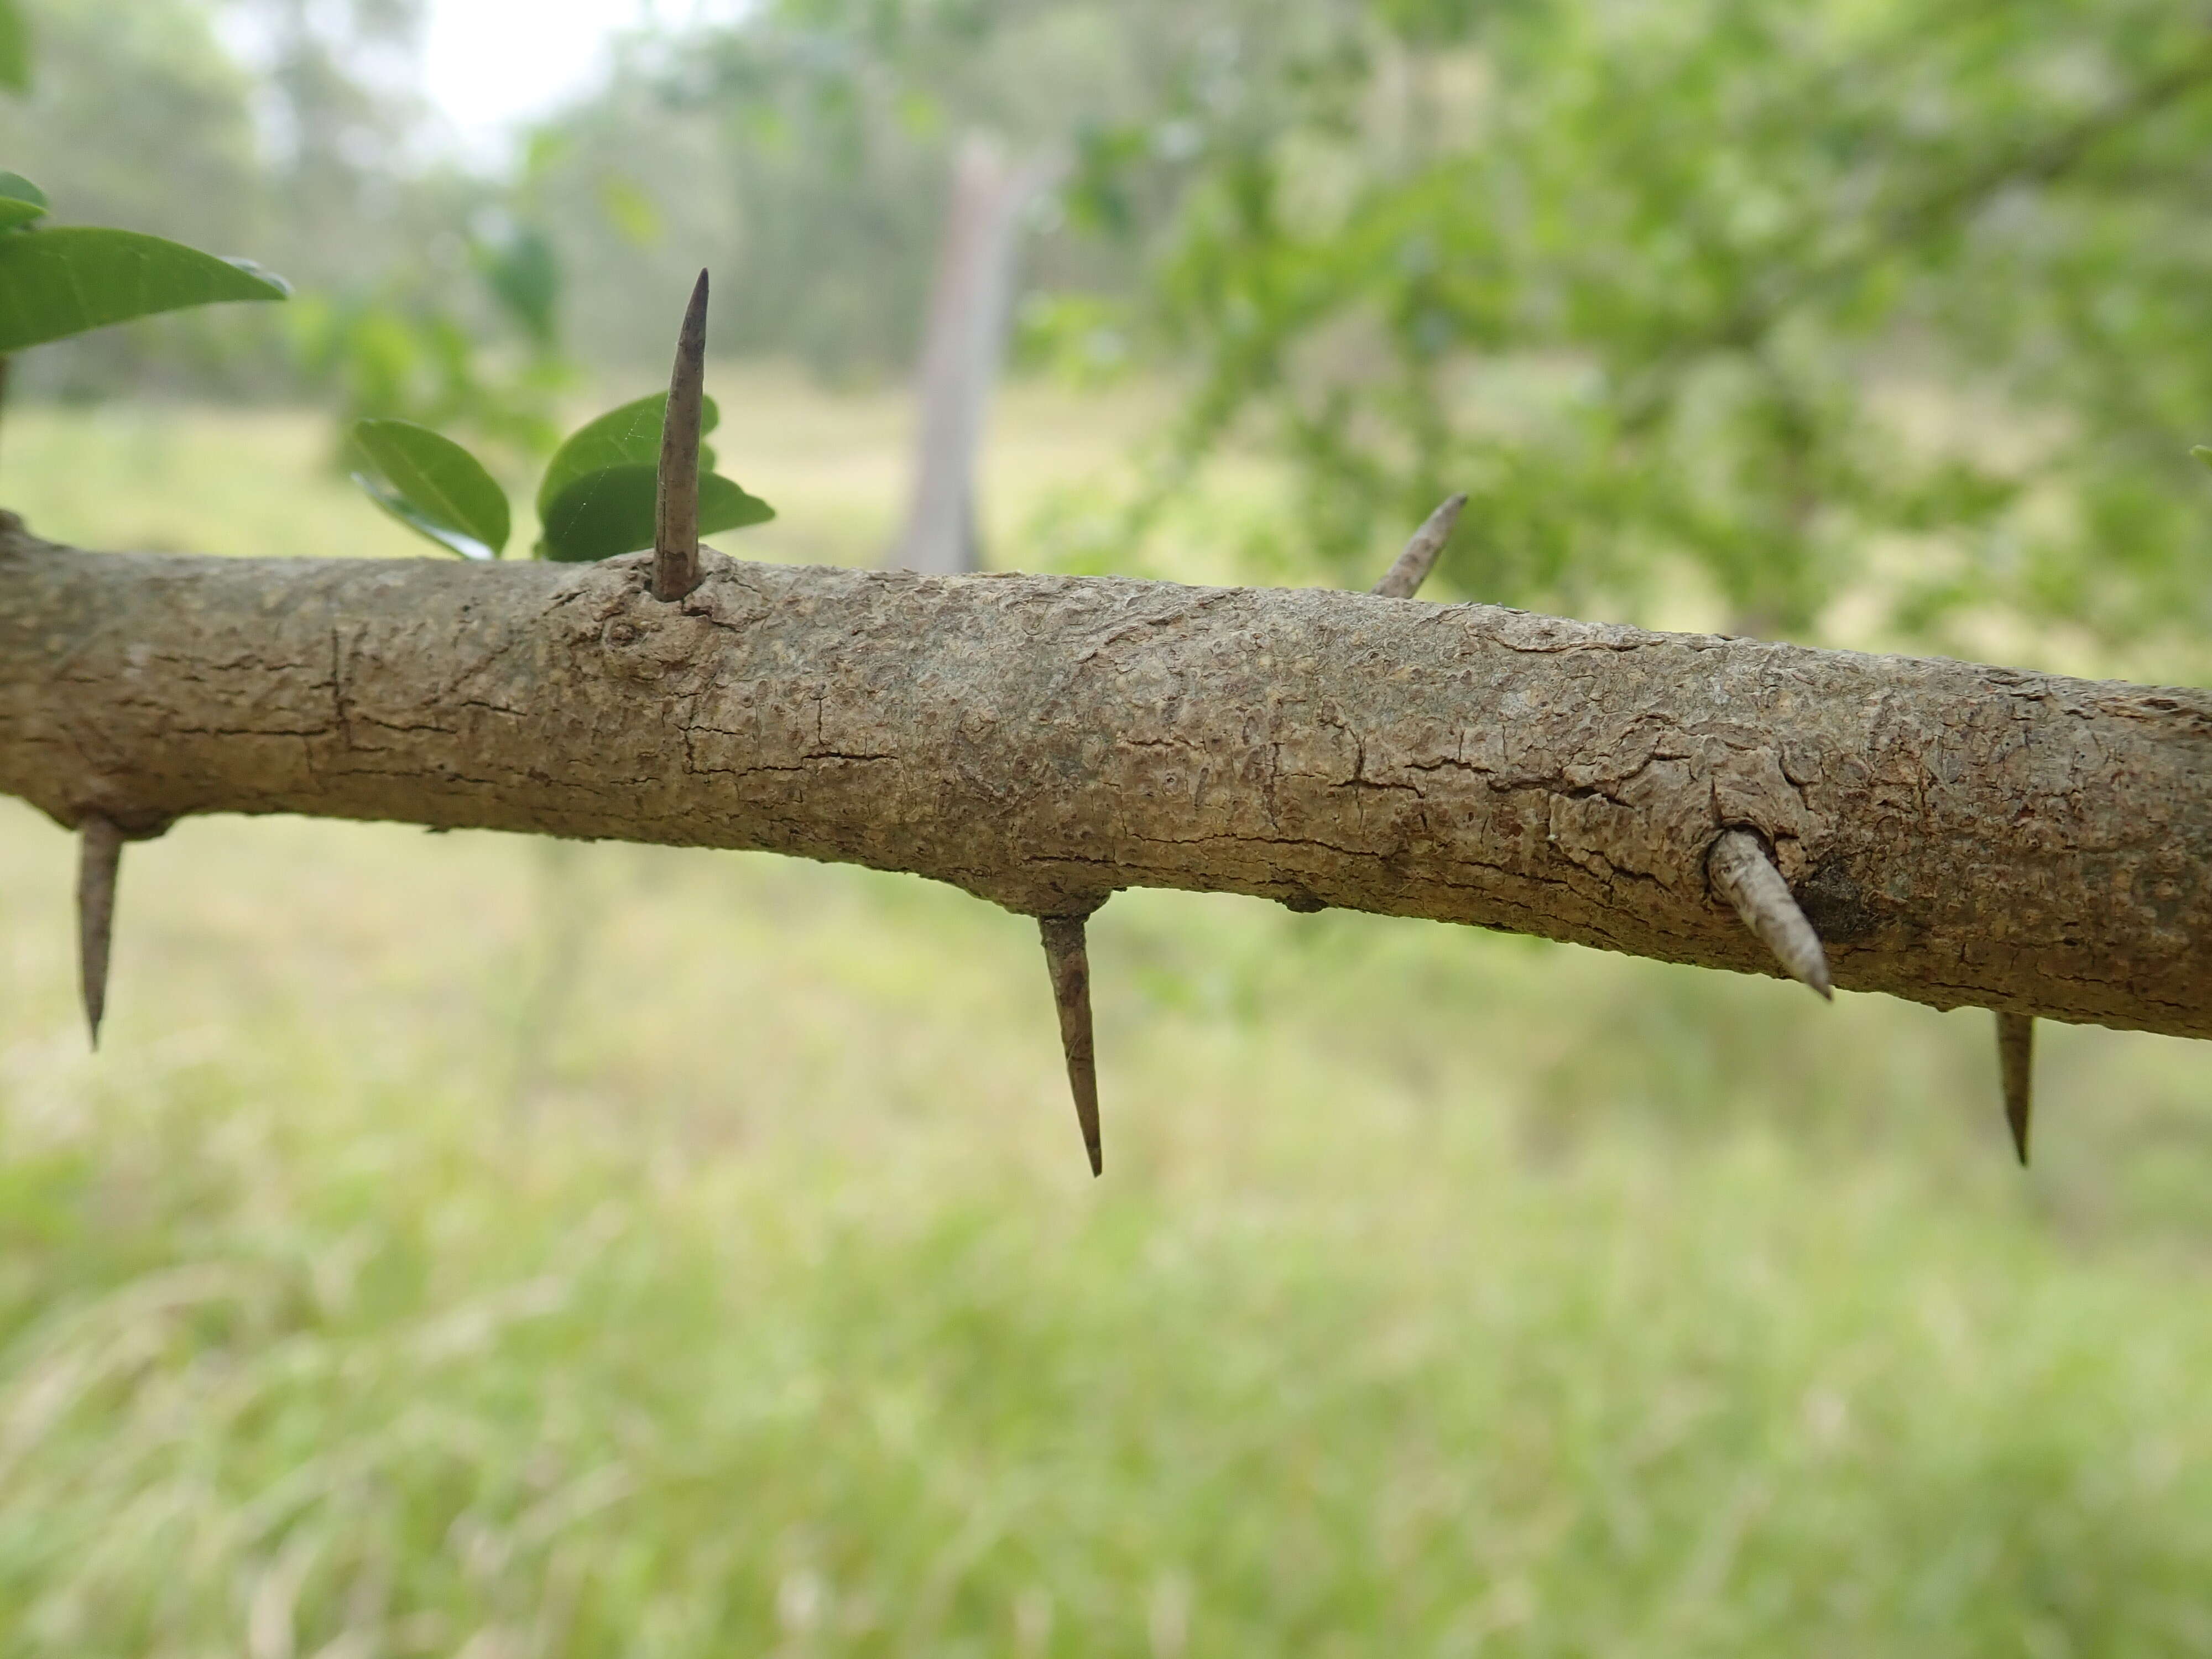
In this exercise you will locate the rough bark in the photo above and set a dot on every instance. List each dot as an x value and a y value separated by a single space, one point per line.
1957 834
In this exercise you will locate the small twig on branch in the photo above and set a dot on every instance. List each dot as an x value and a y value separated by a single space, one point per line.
100 859
1070 964
1403 580
676 507
1745 875
2016 1065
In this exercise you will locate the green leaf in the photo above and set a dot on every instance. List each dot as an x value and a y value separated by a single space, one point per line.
629 436
15 48
21 201
75 279
610 511
631 210
524 276
2202 454
434 487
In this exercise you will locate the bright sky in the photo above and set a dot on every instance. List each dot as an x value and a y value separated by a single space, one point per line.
492 64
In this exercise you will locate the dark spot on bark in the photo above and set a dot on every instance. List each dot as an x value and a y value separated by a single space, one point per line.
1832 902
622 632
1304 903
2152 889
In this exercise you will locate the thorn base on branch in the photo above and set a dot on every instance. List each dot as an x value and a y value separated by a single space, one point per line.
1743 873
1403 580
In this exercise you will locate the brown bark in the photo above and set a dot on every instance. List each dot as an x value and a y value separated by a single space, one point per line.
1957 834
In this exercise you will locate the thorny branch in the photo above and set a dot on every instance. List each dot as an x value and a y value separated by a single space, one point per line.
1954 834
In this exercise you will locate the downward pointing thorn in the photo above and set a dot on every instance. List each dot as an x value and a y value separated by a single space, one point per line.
99 858
676 496
1070 965
2016 1066
1742 873
1403 580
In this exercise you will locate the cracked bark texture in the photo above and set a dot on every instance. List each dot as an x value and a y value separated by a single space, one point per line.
1957 834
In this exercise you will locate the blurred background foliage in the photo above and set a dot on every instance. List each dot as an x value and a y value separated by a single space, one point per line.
1860 317
398 1283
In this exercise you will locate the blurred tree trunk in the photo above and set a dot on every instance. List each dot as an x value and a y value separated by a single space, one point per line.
1958 835
961 355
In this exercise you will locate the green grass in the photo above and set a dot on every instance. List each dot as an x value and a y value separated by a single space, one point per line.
471 1246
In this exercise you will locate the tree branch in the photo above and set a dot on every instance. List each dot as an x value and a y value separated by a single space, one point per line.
1955 834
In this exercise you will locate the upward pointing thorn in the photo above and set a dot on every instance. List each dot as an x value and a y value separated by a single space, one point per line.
1403 580
1070 965
676 499
99 858
2016 1065
1743 874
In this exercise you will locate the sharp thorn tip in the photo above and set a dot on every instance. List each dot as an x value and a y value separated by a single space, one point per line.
99 858
1743 872
676 495
1068 962
2016 1075
1403 580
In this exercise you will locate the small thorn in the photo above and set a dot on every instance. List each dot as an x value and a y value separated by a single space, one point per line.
1742 873
1070 966
1403 580
101 858
2016 1065
676 501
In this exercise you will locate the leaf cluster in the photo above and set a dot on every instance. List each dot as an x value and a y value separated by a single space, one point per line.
595 500
1728 289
